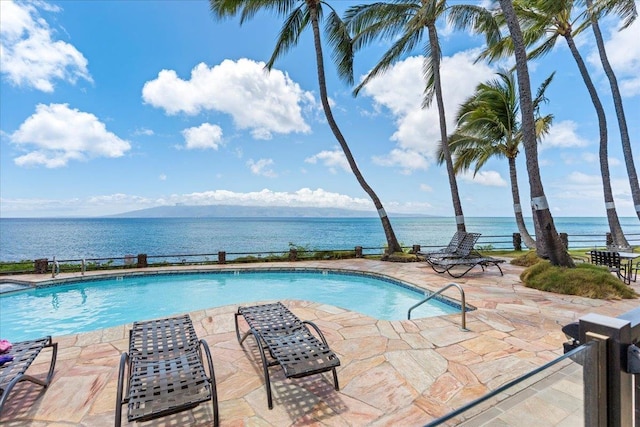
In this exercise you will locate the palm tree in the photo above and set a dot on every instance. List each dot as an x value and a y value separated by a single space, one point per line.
553 18
405 22
299 14
488 126
547 240
627 10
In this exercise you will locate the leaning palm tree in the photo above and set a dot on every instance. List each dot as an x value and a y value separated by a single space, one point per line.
299 15
545 21
548 243
627 10
488 126
405 22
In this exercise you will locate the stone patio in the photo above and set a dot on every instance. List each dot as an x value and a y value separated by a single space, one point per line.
405 372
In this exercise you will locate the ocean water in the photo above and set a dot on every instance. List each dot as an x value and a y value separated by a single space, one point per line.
66 239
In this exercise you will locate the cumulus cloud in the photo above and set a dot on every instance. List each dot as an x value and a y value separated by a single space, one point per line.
588 189
202 137
29 55
55 134
262 167
486 178
332 159
117 203
563 134
623 51
264 102
400 91
407 160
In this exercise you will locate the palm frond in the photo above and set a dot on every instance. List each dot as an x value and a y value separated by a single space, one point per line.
340 40
289 34
477 19
404 44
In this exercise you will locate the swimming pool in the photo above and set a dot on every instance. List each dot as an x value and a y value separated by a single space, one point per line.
95 304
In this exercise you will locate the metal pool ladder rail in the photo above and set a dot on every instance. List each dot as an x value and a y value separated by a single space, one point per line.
463 308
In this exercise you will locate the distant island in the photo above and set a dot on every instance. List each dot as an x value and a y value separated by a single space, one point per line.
235 211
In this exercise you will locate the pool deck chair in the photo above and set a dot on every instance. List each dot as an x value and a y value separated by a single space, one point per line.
448 265
288 342
451 247
164 371
24 353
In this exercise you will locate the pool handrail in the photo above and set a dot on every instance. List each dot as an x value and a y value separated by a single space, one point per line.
463 305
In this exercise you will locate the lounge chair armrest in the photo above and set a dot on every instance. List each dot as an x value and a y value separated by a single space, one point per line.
317 329
212 379
120 400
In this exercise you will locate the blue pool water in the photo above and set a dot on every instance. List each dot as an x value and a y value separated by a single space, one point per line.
96 304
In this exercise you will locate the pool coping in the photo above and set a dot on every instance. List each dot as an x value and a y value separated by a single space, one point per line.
166 271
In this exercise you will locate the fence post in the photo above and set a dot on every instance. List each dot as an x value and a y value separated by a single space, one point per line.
415 249
564 238
293 254
142 261
358 251
609 239
41 265
222 257
619 388
517 242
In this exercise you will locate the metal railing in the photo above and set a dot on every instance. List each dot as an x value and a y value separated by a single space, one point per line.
463 304
486 243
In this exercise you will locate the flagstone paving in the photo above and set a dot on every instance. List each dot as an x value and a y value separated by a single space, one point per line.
405 372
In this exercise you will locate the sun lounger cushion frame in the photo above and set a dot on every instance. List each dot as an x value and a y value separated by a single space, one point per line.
284 340
164 370
24 353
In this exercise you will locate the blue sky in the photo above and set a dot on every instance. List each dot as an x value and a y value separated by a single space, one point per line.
112 106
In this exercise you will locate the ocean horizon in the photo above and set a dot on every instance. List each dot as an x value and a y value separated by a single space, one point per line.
84 238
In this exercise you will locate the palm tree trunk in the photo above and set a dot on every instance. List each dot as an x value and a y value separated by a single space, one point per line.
515 193
548 243
614 223
435 59
617 102
392 241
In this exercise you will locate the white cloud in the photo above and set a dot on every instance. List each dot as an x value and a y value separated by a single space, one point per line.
202 137
262 167
588 189
162 177
118 203
400 90
623 52
426 188
265 103
55 134
486 178
563 134
407 160
28 54
143 131
331 159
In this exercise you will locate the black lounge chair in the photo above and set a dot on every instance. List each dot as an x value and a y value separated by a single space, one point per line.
448 265
288 342
451 247
165 371
465 256
24 353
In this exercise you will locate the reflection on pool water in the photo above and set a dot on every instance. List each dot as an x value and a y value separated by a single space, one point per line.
95 304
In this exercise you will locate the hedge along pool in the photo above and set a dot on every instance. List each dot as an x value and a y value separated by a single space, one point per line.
89 305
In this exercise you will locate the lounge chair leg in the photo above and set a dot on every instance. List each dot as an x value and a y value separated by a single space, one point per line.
335 379
124 359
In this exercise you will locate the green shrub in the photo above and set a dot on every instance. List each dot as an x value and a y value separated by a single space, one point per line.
584 280
527 260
